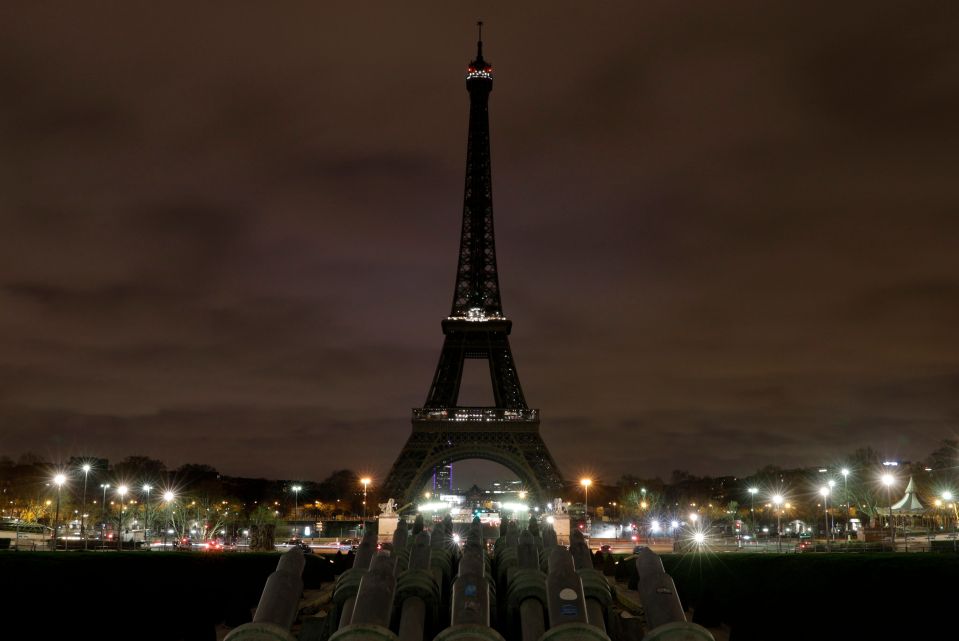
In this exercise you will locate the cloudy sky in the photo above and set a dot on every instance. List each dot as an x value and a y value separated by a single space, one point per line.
728 233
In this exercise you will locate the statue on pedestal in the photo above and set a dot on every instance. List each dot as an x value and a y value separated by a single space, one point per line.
388 508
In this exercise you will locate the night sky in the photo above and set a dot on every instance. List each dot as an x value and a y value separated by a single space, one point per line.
728 232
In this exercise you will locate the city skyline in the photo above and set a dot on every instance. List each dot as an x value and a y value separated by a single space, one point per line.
727 236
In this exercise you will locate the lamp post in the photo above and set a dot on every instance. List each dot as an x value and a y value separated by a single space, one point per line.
146 513
778 501
59 480
845 481
366 483
832 525
296 496
83 506
888 480
947 496
586 483
103 514
824 491
121 492
752 511
168 497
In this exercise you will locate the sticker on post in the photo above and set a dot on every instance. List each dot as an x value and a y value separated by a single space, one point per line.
568 610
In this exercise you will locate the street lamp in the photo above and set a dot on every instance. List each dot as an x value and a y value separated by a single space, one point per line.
83 507
366 483
824 491
296 495
752 511
103 516
888 480
168 497
121 491
586 483
832 527
59 479
146 512
947 496
845 482
778 501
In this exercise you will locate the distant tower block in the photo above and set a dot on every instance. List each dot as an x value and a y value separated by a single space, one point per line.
443 478
444 431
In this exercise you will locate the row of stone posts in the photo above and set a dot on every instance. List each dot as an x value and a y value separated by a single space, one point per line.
424 587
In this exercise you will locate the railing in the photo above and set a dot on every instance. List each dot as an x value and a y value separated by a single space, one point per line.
481 414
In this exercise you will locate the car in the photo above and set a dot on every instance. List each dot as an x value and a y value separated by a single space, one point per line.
183 544
297 543
605 549
806 545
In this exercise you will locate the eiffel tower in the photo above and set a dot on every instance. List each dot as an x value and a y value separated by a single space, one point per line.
443 430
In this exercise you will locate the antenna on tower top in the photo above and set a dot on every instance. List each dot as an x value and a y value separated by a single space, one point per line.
479 42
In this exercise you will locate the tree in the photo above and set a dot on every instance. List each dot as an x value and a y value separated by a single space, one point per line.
262 529
139 468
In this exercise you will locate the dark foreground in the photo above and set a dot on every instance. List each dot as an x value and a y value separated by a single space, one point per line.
173 596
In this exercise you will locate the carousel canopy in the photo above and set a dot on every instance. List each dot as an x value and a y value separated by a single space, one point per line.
909 505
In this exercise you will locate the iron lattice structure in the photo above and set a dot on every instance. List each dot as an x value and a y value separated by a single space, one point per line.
443 431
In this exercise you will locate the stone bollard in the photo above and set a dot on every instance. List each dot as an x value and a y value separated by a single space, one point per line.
471 595
549 542
418 593
441 558
505 557
474 536
347 584
279 602
471 589
534 529
526 597
501 539
374 604
568 620
595 587
665 619
400 546
418 524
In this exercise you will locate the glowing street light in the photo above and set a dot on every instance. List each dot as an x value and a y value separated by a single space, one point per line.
366 483
103 517
824 491
296 502
947 496
122 491
168 498
888 480
83 507
752 511
586 483
146 512
59 480
778 501
845 482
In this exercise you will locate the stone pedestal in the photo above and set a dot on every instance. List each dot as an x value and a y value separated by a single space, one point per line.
386 527
561 526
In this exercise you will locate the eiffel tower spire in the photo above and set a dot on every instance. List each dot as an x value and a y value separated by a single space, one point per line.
476 295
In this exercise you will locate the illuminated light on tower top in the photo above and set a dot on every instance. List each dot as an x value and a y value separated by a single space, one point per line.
479 68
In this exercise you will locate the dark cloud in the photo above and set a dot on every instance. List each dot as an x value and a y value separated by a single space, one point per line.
726 233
